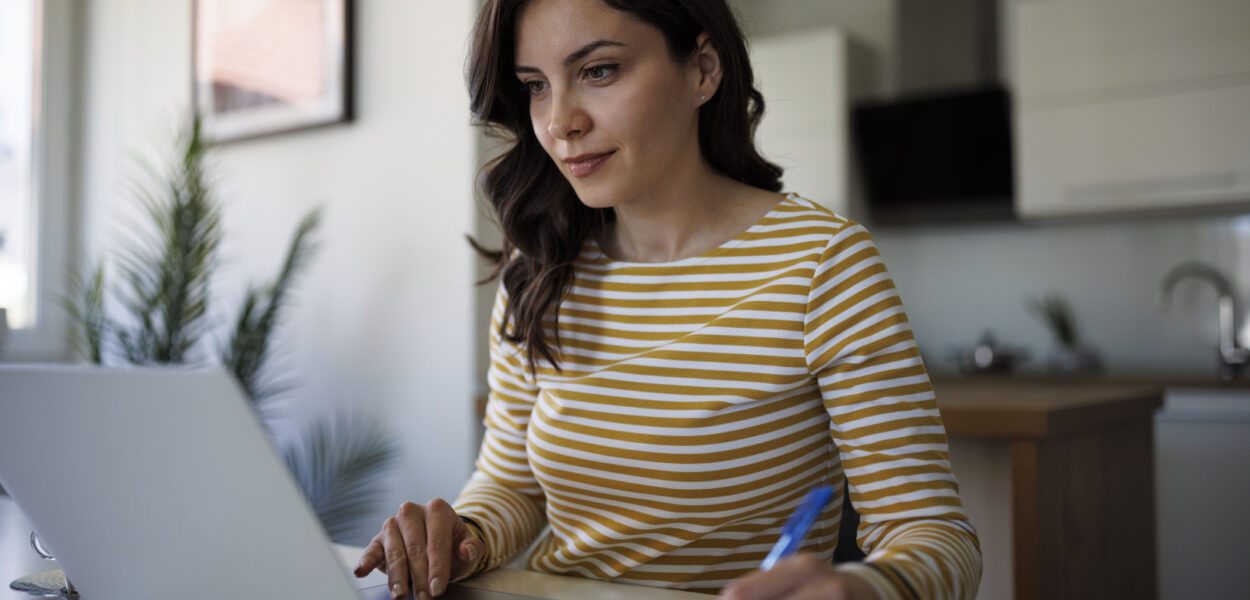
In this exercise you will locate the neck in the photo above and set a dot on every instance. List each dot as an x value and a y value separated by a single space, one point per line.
689 215
663 229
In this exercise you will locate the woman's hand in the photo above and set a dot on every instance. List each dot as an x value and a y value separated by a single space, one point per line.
800 577
422 548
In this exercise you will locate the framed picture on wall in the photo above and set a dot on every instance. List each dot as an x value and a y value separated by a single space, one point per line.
269 66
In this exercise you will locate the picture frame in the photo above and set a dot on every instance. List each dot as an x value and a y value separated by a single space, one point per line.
264 67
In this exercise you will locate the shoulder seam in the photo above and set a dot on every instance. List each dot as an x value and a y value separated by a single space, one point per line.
819 212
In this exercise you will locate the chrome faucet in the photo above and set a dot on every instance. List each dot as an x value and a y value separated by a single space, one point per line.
1232 355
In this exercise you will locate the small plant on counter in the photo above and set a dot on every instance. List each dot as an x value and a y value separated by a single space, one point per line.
164 319
1069 354
1056 313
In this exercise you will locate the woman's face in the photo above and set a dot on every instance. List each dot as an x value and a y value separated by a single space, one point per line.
608 103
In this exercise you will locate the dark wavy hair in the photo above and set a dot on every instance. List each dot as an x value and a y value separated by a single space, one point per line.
544 223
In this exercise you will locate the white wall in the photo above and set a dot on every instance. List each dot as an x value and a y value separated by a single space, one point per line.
958 280
384 322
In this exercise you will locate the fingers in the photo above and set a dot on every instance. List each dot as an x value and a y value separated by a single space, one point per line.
412 523
396 559
440 529
421 549
372 558
469 552
787 577
828 588
470 549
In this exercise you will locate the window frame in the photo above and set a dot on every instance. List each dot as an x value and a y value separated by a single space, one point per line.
53 182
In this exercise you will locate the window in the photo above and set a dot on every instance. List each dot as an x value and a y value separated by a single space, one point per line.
20 39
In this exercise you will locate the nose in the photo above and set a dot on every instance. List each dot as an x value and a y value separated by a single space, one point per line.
568 118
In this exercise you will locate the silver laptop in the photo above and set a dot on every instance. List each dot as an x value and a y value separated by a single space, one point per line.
154 483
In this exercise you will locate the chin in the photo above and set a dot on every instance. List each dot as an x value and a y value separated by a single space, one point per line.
597 198
597 202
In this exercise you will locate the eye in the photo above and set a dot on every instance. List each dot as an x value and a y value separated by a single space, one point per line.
600 72
534 87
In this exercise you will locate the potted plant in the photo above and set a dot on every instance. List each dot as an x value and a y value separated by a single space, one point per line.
164 318
1069 355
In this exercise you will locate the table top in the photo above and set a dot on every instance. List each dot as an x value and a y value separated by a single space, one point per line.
541 585
16 556
559 587
17 559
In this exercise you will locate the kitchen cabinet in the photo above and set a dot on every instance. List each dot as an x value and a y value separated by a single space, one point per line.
803 77
1058 478
1202 474
1129 105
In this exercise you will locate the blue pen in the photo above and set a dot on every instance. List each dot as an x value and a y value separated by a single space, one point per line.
796 528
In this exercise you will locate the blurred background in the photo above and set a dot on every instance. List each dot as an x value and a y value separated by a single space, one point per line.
1002 152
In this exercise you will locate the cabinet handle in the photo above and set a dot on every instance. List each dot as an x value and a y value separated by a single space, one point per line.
1154 188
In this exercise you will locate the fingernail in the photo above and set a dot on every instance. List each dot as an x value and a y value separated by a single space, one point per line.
437 586
472 553
421 595
397 591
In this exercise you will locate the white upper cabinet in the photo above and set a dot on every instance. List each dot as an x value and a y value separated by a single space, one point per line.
1083 47
1130 105
804 130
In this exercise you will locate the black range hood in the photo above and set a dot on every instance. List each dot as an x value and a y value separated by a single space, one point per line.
937 158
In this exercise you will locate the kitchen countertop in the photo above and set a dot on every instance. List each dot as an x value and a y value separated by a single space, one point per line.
1037 405
1146 378
1041 407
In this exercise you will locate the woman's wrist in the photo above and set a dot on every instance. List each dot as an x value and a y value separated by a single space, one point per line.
477 531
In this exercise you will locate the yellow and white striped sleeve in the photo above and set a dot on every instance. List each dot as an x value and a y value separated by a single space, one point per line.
502 497
885 423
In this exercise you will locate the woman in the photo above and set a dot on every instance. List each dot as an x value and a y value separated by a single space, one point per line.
679 352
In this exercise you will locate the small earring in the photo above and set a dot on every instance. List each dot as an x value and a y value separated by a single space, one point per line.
702 98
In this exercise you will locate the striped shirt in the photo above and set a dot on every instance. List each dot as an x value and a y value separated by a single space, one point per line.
699 400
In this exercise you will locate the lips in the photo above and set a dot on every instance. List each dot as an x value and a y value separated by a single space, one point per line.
585 164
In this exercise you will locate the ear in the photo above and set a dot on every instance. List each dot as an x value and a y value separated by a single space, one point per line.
707 69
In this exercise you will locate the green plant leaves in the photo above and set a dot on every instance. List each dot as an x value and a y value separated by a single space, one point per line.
1055 312
85 306
249 350
339 464
165 269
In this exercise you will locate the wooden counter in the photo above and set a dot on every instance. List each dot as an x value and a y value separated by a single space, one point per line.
1081 478
1038 409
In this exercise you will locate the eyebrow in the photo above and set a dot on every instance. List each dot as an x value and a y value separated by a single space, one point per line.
581 53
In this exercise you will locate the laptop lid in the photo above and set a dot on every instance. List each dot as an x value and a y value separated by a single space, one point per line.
151 483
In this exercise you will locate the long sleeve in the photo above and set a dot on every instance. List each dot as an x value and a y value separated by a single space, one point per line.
502 496
886 426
